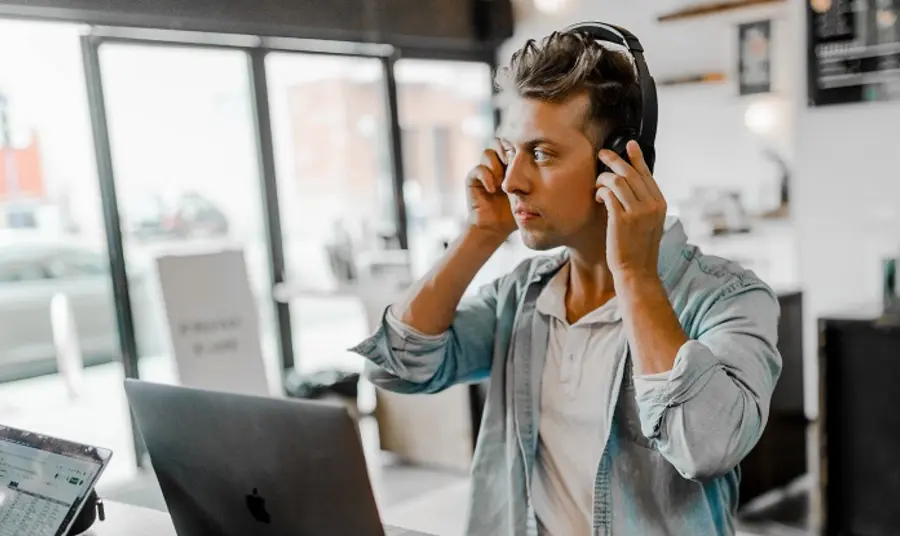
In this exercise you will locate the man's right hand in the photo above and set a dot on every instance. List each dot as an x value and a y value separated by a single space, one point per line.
430 305
489 209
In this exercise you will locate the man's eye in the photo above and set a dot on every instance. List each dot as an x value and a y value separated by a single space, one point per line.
540 155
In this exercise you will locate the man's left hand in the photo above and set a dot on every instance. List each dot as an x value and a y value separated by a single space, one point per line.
636 214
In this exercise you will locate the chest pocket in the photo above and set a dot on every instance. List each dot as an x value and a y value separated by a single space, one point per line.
627 419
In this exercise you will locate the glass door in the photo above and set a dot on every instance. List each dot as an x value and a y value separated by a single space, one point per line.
185 162
335 191
60 364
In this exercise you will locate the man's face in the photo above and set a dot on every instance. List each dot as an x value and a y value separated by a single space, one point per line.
550 171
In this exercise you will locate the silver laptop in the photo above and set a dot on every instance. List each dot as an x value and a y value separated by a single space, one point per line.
45 482
233 465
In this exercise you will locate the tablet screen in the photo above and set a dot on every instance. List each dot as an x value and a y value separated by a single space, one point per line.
44 481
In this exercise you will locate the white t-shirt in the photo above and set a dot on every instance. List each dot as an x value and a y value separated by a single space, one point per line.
581 362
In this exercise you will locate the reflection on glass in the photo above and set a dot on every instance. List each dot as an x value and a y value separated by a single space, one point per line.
186 171
446 117
335 194
52 250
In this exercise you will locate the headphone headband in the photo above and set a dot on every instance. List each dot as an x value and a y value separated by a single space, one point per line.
649 110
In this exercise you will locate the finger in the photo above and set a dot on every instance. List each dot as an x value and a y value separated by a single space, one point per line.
606 196
491 159
636 155
501 152
616 163
624 169
621 188
482 175
653 188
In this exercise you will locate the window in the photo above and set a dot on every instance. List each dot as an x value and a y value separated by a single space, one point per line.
187 177
19 271
52 243
76 264
445 113
335 191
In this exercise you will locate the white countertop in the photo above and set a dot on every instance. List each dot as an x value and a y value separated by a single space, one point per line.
124 519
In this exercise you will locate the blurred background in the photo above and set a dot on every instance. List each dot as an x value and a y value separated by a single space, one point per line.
328 142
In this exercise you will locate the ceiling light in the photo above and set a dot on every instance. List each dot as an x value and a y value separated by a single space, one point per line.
549 6
761 117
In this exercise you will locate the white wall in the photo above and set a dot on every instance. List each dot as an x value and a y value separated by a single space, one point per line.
848 199
846 196
845 191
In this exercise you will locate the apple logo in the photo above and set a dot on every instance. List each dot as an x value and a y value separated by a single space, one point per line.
257 506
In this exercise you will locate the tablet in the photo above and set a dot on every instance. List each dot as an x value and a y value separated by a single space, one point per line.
44 482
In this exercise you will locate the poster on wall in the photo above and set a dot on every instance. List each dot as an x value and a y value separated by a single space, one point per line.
853 51
213 322
754 57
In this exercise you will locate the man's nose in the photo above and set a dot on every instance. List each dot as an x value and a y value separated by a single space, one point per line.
517 178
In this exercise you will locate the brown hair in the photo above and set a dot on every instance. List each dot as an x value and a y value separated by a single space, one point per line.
565 64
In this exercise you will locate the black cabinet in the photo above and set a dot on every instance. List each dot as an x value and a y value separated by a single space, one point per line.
859 443
780 455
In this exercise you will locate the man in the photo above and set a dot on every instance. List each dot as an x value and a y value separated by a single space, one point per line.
630 373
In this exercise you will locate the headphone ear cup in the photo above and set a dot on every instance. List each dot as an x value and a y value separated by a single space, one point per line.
619 146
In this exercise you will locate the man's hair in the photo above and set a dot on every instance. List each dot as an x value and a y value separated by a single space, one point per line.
565 64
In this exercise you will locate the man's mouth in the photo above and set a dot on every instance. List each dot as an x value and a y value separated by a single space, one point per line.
523 214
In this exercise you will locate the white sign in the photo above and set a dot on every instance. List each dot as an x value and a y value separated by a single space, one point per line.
213 322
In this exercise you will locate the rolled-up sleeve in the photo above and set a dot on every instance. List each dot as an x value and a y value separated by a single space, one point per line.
708 412
402 359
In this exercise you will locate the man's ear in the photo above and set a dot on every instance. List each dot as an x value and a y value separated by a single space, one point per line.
597 136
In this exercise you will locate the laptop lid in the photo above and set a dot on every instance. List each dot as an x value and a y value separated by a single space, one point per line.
232 464
44 481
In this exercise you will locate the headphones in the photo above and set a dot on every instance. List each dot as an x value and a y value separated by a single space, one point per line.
644 131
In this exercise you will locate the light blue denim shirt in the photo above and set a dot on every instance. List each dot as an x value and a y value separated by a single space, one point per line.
670 464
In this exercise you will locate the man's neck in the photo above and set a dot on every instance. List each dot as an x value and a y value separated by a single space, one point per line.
590 283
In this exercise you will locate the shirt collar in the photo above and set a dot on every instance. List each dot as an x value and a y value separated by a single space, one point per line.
552 301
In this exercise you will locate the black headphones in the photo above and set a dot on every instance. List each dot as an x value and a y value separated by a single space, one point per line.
645 130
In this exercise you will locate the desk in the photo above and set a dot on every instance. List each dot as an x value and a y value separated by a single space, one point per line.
127 520
124 519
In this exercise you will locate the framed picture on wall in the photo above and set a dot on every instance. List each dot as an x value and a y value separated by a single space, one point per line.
851 51
755 57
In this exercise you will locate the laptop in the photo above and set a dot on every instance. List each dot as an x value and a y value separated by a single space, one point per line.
45 482
235 464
